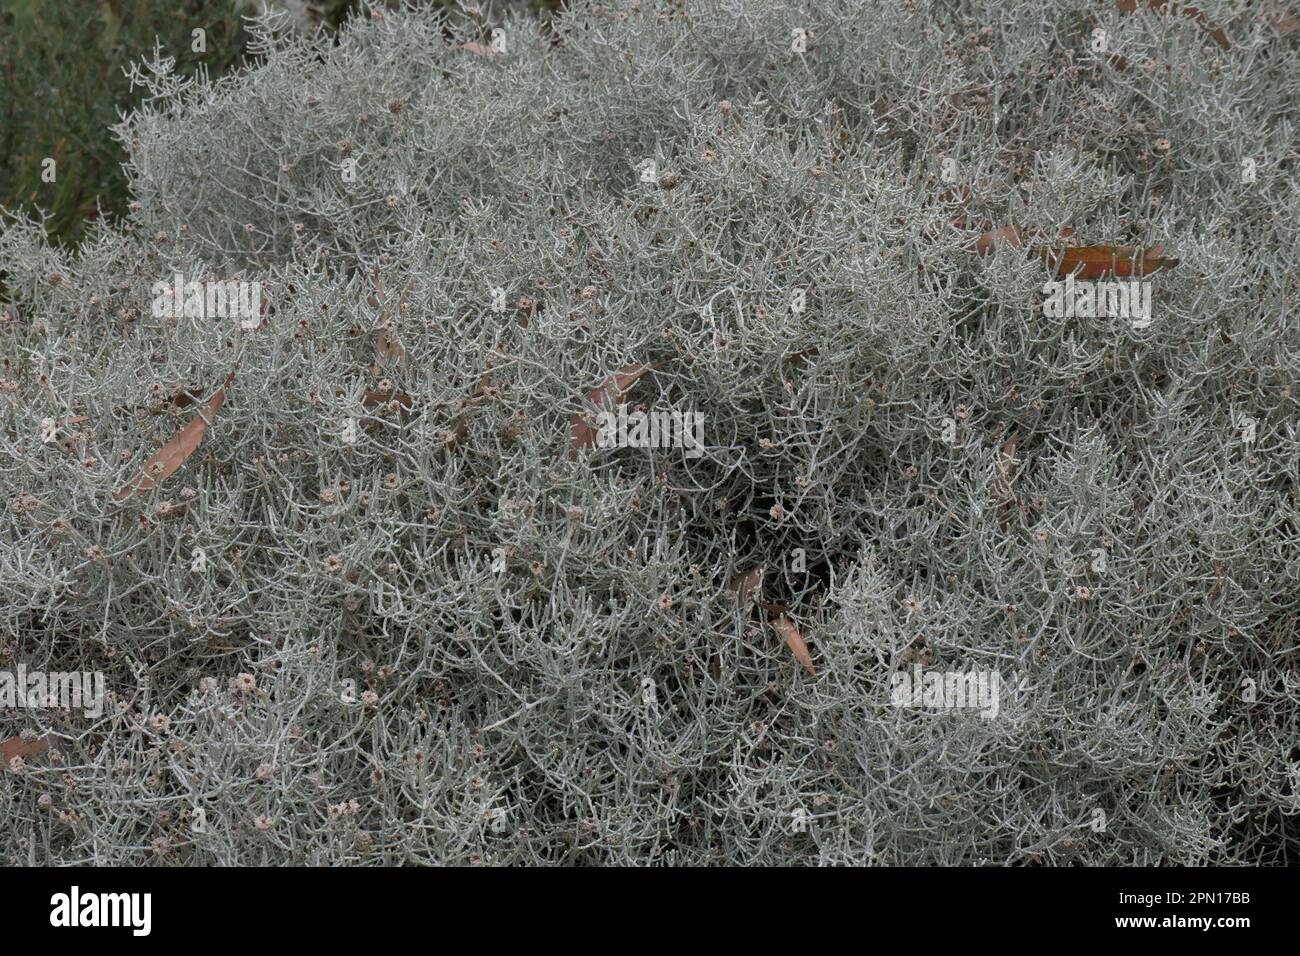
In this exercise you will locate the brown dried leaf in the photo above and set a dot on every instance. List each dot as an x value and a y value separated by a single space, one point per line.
607 396
1092 262
478 49
745 585
173 454
1008 457
376 396
460 428
1002 488
1282 18
794 640
956 196
1013 236
1095 262
388 345
181 397
17 747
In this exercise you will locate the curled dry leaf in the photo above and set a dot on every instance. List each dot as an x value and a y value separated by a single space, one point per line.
607 396
794 640
17 747
745 585
173 454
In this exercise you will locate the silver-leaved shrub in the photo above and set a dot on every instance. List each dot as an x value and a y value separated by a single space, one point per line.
385 611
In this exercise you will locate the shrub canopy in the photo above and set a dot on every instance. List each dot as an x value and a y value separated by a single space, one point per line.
458 642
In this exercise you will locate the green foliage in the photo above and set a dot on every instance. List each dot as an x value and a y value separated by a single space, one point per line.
62 87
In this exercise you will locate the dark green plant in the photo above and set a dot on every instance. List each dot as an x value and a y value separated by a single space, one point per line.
62 87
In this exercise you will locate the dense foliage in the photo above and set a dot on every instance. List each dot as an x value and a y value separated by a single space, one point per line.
422 631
